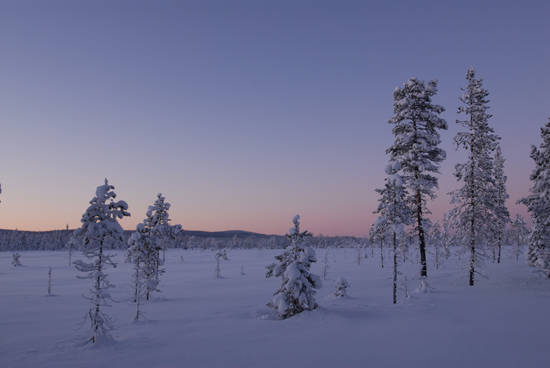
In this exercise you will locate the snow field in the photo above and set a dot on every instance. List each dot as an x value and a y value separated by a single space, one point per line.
202 321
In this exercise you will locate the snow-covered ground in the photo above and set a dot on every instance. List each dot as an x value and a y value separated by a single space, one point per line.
201 321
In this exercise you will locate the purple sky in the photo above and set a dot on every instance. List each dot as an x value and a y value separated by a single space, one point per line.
245 113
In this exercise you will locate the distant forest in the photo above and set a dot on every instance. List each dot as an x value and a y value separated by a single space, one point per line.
14 240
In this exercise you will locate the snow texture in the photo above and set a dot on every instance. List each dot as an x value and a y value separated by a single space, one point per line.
460 326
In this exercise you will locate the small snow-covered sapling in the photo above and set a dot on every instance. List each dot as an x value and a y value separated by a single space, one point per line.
341 287
16 262
50 281
219 255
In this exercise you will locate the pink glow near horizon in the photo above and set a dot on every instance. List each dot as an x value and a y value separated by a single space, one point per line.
244 114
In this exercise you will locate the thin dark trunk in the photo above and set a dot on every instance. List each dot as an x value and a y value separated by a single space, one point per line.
382 252
394 268
421 237
499 246
472 254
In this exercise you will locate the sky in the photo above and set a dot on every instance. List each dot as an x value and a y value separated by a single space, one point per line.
246 113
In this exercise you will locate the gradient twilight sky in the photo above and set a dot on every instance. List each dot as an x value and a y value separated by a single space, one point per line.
245 113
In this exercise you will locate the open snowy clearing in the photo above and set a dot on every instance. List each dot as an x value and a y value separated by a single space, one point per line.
201 321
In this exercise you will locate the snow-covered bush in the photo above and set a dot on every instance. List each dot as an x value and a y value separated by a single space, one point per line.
99 222
341 287
296 292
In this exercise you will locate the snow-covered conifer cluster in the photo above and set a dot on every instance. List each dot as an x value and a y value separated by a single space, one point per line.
145 247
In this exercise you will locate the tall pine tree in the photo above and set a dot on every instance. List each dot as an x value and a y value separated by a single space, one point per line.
538 204
475 212
416 149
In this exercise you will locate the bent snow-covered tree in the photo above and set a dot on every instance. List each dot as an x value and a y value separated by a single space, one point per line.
99 222
296 293
476 208
416 149
538 204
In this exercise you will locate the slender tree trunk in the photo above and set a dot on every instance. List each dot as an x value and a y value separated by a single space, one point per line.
421 236
96 318
472 254
499 246
382 251
394 268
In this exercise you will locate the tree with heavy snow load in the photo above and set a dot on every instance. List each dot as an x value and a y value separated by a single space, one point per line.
99 222
415 147
538 204
296 293
146 245
394 213
476 213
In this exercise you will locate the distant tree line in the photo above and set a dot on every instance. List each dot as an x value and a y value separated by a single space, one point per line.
17 240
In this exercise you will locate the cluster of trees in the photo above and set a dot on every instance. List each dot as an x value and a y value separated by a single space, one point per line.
479 216
478 221
145 245
16 240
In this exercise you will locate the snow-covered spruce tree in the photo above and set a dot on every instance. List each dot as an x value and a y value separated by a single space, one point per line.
475 213
416 148
501 211
520 235
141 246
100 222
538 204
394 212
159 221
146 244
378 233
436 237
296 292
